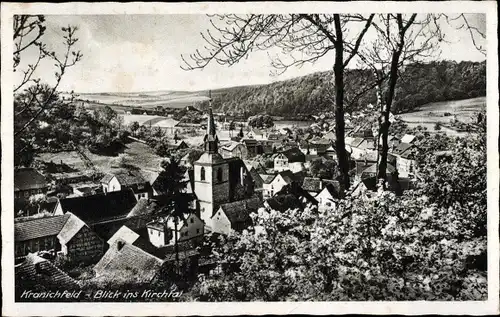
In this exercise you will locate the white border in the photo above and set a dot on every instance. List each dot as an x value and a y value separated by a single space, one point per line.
144 309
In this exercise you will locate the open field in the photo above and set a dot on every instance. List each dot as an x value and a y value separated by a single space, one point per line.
146 100
428 115
138 155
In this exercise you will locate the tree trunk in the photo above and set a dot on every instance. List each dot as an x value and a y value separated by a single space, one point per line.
176 247
393 77
338 70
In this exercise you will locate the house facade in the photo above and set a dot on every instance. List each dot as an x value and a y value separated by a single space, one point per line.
65 235
271 186
326 198
127 180
162 232
292 159
234 149
29 182
234 216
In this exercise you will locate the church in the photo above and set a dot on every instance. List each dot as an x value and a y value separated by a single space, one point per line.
218 180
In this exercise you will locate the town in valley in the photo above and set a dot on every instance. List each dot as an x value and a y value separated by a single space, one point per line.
268 192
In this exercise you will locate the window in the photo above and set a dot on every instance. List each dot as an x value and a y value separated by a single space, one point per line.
202 173
328 204
192 220
26 193
197 230
219 175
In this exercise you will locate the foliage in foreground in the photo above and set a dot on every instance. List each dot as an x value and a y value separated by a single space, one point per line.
419 246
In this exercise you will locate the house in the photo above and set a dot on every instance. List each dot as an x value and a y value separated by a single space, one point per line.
272 185
104 213
143 212
126 262
234 149
69 178
283 202
162 231
181 146
292 159
369 185
85 190
67 235
256 134
360 146
253 147
235 215
312 185
258 181
327 197
168 125
408 138
331 152
330 136
405 163
372 171
134 238
37 273
29 182
127 180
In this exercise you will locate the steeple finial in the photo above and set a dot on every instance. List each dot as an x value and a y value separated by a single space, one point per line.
211 139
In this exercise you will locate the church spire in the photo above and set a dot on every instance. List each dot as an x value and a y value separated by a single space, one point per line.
211 141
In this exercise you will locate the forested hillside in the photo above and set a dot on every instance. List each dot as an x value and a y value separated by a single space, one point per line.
419 84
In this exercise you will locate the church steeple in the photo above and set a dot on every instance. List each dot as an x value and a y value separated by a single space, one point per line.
211 141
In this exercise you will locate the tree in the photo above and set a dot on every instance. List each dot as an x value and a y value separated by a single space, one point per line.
323 168
29 34
172 183
303 38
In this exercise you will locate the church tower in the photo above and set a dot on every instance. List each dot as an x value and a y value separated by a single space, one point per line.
211 174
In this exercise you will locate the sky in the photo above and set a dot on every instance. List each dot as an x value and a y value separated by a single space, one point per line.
133 53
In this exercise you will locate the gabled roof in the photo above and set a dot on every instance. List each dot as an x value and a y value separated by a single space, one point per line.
125 234
373 169
402 148
28 178
230 147
251 142
288 176
312 184
283 202
267 178
70 228
294 155
34 228
144 207
126 261
407 138
100 207
125 178
37 272
332 190
239 211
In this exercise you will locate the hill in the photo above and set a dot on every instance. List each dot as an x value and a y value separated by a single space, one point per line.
419 84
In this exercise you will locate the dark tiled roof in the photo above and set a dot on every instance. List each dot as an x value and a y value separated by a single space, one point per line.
284 202
126 261
402 148
288 176
100 207
29 229
28 178
144 207
239 211
294 155
37 272
312 184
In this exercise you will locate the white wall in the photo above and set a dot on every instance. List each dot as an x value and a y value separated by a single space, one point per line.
325 200
112 186
220 223
156 237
